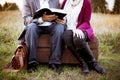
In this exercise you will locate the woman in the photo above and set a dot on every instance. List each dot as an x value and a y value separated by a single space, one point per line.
79 32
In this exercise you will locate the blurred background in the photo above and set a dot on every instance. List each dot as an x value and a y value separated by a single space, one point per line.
105 21
103 6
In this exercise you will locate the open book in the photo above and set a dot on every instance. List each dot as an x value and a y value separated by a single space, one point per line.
59 12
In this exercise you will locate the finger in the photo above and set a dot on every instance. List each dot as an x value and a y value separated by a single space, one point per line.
51 16
44 13
77 35
58 20
73 34
54 17
83 36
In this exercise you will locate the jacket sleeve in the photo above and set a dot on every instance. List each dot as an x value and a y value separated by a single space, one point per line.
86 16
26 12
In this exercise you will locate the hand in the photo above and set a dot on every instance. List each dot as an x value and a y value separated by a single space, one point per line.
49 18
60 21
79 33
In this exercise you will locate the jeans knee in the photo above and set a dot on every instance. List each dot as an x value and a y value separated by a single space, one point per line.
32 31
59 29
32 27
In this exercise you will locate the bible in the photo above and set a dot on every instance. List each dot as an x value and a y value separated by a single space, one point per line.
49 11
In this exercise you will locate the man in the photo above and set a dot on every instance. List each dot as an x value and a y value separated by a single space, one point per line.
45 25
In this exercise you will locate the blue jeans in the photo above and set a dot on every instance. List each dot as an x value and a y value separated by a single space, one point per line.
31 38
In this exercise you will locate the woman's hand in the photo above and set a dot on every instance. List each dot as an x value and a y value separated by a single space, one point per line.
78 33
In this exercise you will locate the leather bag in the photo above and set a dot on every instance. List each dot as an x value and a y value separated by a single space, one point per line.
19 59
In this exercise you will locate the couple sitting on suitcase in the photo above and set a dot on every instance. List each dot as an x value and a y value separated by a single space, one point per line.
76 35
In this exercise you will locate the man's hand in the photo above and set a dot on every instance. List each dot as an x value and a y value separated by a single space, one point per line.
49 18
78 33
60 21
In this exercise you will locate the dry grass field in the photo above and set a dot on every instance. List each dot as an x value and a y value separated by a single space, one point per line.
105 23
11 25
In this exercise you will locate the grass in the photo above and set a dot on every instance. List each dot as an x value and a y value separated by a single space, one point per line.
106 28
105 23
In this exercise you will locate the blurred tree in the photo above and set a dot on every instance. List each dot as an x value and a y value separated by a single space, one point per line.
99 6
0 7
13 6
10 6
5 6
116 9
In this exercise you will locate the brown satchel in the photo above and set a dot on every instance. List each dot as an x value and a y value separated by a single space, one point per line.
19 59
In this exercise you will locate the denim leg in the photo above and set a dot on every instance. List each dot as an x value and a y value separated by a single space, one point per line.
56 44
31 39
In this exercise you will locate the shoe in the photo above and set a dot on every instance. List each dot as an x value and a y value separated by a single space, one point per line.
32 69
84 65
98 68
55 67
85 68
